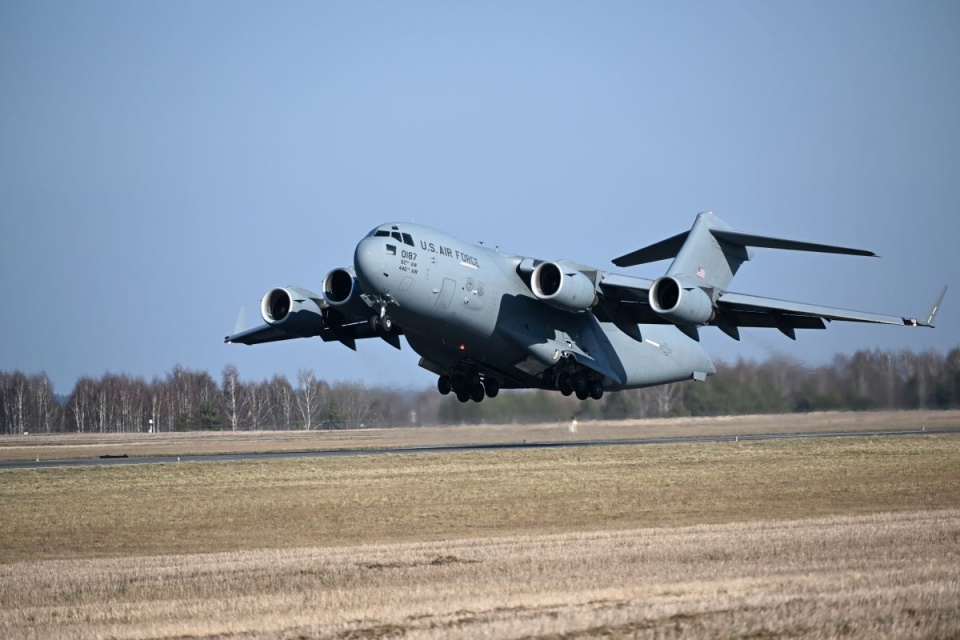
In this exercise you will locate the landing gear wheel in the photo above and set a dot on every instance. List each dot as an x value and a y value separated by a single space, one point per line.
582 394
596 390
443 384
476 394
386 324
463 396
580 382
492 387
374 323
564 384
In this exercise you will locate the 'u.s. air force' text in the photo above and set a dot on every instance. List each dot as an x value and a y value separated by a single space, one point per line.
449 253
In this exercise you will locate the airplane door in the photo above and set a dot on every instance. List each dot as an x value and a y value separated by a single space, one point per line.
447 290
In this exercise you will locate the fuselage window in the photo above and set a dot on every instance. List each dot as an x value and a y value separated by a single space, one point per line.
408 239
391 250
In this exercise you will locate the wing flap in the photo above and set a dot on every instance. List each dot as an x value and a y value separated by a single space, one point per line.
348 334
734 303
626 299
259 335
620 287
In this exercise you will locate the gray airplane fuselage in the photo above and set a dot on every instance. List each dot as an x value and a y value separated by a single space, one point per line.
462 304
484 320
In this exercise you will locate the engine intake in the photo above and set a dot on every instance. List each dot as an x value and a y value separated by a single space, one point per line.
294 310
342 290
339 286
563 286
680 304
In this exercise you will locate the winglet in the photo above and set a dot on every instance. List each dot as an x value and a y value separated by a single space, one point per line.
928 322
241 320
933 309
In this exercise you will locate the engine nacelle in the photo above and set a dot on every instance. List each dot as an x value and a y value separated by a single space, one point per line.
294 310
680 304
563 286
342 291
340 286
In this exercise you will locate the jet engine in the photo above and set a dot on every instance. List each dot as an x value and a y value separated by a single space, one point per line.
342 290
679 303
293 310
563 286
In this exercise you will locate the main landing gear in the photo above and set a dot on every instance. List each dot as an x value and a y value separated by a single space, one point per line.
570 379
468 386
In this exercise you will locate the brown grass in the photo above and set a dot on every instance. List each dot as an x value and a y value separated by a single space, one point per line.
91 445
193 508
814 538
891 575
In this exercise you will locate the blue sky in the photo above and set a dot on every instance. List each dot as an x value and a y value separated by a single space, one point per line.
163 163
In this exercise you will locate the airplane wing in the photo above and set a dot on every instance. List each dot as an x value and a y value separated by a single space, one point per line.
259 335
347 334
625 299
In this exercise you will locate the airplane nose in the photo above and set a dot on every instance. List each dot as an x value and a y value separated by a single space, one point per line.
368 263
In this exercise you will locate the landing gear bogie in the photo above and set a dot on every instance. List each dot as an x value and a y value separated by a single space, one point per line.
571 378
468 385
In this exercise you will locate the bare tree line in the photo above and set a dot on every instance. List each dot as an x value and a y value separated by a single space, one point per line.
185 400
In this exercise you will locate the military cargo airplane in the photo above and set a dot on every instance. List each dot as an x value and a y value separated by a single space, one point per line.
484 320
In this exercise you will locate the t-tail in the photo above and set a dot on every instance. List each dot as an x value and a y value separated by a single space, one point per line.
705 260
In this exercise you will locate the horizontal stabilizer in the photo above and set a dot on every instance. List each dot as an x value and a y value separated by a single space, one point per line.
659 251
767 242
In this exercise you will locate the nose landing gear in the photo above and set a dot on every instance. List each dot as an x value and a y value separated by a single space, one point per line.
380 322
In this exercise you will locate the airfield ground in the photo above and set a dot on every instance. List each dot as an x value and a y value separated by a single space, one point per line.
851 537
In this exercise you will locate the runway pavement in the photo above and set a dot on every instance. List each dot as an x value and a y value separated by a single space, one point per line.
330 453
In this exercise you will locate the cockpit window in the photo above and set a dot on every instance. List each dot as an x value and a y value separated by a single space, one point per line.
396 236
408 239
382 233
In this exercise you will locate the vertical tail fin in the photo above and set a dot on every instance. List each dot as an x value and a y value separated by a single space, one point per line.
705 260
701 258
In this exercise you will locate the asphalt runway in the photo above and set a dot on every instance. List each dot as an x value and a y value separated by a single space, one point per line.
332 453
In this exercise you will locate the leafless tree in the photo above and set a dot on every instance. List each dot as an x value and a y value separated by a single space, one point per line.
309 398
257 401
45 405
282 396
352 402
234 399
81 402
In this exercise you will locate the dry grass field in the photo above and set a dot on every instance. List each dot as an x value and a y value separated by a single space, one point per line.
809 538
892 575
